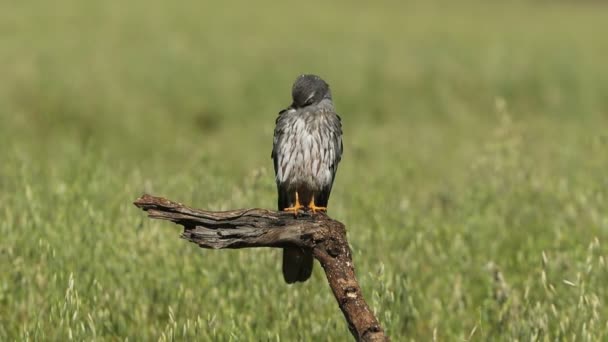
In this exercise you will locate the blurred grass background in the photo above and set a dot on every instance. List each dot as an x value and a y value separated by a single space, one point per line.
473 182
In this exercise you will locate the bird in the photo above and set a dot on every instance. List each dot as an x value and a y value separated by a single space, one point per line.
306 150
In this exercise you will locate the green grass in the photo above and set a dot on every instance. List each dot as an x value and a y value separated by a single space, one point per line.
473 183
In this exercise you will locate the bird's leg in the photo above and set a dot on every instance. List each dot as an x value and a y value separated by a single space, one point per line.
296 207
313 207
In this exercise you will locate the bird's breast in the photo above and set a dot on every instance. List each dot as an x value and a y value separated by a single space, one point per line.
304 156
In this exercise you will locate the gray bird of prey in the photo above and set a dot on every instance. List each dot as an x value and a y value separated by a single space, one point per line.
306 150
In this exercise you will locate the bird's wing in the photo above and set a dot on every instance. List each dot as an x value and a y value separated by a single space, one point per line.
334 155
278 141
336 127
335 144
279 131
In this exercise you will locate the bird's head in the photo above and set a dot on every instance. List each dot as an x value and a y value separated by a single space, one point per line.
308 90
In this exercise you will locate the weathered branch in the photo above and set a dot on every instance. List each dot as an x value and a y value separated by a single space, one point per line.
265 228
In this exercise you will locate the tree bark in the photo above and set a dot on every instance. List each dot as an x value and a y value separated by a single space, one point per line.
245 228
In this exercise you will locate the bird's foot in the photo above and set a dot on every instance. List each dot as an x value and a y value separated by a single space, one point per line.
312 207
295 209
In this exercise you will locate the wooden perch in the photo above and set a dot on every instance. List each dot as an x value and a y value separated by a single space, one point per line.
266 228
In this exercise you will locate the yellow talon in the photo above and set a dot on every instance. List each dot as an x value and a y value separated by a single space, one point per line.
296 207
313 207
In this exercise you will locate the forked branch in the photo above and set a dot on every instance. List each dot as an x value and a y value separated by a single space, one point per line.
266 228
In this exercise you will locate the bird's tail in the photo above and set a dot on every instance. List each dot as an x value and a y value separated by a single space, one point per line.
297 264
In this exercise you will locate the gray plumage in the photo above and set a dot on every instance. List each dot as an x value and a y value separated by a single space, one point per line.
306 151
